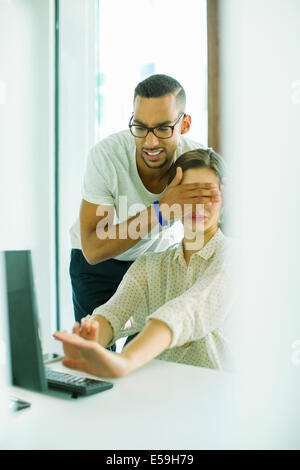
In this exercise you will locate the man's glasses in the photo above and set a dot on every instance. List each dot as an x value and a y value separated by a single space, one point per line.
163 132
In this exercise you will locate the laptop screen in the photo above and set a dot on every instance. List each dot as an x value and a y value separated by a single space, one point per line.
25 347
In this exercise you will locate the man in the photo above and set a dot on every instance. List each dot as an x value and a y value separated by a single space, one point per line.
125 174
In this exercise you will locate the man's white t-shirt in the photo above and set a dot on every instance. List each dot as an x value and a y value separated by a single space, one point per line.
112 178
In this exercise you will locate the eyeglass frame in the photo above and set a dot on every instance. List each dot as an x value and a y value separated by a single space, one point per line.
151 129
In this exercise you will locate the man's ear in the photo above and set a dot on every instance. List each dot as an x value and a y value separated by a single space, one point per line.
186 124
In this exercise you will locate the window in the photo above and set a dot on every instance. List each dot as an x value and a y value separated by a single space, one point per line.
106 48
143 38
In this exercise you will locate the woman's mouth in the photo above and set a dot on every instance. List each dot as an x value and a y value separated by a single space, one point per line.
199 217
153 155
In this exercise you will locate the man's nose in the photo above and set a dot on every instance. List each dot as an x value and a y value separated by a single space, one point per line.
151 140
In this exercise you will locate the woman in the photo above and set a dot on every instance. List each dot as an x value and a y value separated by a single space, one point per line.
178 300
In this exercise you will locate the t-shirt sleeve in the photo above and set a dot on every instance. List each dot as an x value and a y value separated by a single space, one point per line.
96 188
130 299
201 309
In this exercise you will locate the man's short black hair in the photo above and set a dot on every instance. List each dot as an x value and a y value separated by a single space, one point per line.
157 86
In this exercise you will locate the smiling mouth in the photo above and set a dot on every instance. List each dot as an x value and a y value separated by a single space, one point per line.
153 155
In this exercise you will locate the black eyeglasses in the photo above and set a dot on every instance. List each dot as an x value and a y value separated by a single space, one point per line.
162 132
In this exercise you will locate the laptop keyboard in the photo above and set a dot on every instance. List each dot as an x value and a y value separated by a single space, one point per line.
74 384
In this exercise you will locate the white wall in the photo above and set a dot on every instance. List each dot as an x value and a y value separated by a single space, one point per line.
26 166
260 116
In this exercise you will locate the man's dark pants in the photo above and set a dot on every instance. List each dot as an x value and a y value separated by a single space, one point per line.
93 285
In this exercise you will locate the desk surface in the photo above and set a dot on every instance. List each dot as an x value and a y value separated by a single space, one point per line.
160 406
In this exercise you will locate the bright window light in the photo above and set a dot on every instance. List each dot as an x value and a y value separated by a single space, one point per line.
143 38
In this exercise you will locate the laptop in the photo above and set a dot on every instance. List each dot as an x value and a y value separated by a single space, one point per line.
28 369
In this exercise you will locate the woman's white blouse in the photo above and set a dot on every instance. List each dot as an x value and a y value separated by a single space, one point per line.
195 301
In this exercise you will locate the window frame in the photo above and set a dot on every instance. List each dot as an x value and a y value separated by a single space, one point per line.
213 71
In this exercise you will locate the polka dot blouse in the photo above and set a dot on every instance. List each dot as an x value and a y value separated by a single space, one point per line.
195 301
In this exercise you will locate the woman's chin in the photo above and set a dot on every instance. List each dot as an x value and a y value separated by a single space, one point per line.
193 229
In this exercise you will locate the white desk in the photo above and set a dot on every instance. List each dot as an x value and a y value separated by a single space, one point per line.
160 406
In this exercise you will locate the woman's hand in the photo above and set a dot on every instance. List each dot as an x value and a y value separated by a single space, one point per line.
82 352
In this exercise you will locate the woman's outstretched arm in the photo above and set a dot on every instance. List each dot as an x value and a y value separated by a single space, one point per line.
83 352
152 341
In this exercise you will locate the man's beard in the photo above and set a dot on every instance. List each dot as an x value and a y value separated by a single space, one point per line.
147 163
